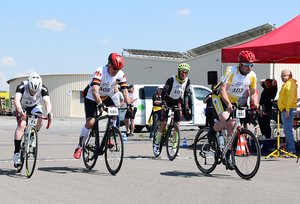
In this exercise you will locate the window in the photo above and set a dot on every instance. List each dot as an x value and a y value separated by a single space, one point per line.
200 93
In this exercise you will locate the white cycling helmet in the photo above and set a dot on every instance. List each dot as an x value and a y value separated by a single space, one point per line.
35 82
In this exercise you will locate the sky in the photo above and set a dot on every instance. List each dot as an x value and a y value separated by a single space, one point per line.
76 36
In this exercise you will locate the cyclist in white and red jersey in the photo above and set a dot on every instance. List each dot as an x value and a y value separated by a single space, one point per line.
235 81
176 91
99 92
28 97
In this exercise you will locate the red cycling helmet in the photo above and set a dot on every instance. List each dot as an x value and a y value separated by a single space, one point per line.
246 56
116 60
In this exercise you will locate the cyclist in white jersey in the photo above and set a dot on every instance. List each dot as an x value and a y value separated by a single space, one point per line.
176 91
235 81
99 92
28 97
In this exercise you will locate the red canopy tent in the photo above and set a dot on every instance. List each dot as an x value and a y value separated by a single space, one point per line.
278 46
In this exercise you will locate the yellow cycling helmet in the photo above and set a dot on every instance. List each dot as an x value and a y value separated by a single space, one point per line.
183 66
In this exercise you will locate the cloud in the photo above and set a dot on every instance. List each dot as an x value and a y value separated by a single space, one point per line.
183 12
8 61
104 41
51 24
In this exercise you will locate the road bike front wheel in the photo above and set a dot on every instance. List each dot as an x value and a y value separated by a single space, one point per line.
205 156
89 151
172 141
246 154
31 153
114 150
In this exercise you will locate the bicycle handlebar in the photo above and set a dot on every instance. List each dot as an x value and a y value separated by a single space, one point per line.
101 117
39 115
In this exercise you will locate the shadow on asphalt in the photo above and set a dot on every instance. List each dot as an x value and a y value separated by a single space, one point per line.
193 175
12 173
65 170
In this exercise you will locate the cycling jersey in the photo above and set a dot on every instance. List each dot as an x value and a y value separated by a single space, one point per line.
237 83
175 93
106 82
27 100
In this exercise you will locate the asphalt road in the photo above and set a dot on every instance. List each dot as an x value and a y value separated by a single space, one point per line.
142 179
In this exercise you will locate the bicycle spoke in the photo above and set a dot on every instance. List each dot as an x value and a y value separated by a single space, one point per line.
114 151
31 155
246 154
204 155
89 151
172 143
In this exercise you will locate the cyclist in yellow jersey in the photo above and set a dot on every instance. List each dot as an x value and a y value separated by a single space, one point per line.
235 81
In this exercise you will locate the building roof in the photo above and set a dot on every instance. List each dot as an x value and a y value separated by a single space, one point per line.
225 42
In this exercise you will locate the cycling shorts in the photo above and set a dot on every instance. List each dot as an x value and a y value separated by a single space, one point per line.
90 106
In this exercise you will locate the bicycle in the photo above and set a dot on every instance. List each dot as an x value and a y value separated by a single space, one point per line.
111 144
245 150
170 137
29 144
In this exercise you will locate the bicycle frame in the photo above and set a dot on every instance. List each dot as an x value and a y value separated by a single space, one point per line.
109 124
31 121
111 144
236 131
171 123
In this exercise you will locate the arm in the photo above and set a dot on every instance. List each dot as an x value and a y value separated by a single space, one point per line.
126 95
254 97
18 105
48 106
224 95
122 101
95 93
157 101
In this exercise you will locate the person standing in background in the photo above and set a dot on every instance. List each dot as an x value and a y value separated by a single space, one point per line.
287 104
118 99
131 111
156 110
265 102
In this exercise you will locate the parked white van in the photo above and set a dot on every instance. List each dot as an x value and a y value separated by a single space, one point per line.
144 109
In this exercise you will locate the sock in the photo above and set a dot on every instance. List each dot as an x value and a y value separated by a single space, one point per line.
84 133
17 146
158 137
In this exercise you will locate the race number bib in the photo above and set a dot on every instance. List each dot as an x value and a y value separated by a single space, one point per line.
32 121
241 113
112 111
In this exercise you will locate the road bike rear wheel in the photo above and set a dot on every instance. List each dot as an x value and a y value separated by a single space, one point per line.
205 156
172 141
89 151
246 154
31 154
22 154
114 150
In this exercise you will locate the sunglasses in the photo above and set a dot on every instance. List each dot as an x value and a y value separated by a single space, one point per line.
248 65
184 72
